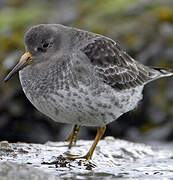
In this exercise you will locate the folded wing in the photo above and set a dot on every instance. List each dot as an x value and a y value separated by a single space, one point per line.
114 66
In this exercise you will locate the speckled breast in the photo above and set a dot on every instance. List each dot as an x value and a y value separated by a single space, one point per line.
82 105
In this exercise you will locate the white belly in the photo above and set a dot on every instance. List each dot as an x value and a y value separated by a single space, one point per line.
80 106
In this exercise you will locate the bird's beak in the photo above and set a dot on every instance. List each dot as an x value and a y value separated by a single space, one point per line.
24 61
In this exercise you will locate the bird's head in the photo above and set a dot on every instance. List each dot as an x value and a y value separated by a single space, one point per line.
41 42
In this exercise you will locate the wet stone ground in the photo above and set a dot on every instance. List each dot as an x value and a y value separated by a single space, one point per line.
113 159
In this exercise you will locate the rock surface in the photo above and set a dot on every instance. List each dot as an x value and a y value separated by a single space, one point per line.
113 159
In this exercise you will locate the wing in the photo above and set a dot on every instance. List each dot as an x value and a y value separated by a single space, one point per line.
114 66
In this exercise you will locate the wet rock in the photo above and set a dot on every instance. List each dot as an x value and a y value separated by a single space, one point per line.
112 159
12 170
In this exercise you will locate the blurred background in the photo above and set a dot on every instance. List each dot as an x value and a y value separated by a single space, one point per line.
144 28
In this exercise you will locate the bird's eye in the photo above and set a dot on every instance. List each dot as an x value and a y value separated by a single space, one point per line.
46 45
39 49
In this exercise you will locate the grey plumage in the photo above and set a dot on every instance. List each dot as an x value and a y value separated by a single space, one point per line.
78 73
82 72
116 68
78 77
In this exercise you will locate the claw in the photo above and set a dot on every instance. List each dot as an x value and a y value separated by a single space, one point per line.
75 156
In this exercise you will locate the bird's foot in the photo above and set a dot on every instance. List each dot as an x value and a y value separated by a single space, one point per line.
75 156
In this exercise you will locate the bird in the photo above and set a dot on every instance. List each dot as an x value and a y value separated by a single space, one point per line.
81 78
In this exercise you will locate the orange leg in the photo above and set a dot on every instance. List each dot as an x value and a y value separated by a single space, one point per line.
72 138
88 156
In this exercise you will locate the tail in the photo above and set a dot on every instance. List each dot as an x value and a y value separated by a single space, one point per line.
162 72
159 73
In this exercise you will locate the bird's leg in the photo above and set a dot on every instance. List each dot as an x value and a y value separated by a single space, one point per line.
88 156
72 138
100 132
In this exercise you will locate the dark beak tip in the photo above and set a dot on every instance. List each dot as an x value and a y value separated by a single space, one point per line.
6 78
17 68
9 75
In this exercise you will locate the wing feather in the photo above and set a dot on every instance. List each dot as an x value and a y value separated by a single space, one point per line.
114 66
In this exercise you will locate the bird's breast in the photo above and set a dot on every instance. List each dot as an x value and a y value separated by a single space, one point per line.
84 105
